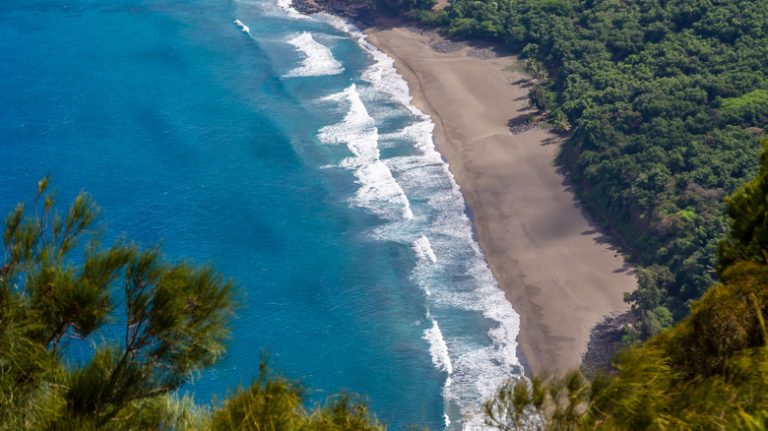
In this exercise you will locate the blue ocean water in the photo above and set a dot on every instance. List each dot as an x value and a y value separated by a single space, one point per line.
283 150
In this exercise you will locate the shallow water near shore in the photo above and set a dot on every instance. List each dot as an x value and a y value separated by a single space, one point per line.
283 151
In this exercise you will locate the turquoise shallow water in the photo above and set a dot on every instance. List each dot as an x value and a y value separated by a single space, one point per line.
286 156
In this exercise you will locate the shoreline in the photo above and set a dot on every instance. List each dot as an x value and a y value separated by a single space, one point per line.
551 262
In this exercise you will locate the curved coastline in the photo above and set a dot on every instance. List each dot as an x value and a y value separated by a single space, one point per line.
477 349
552 263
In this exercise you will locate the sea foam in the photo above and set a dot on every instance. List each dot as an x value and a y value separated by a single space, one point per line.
451 268
318 58
287 7
423 250
438 349
378 192
244 28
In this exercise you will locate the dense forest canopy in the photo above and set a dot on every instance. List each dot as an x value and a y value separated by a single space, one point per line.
665 101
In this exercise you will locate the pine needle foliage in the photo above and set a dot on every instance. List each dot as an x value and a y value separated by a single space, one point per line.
59 285
277 404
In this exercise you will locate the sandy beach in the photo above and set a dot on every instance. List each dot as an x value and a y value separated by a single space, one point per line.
555 268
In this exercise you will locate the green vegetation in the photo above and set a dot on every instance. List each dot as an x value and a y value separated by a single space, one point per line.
277 404
752 106
708 372
664 102
59 286
748 209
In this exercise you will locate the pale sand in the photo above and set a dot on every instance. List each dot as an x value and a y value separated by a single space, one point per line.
555 268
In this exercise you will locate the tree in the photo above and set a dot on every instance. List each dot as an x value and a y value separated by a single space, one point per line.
276 404
647 299
554 403
561 123
664 102
747 239
59 285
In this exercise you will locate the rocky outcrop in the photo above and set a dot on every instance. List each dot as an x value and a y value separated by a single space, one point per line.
357 11
604 342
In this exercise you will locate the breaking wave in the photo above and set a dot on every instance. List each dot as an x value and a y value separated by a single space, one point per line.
318 58
415 194
379 192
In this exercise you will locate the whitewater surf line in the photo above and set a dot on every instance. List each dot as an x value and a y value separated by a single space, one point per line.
379 192
317 60
469 327
287 6
450 267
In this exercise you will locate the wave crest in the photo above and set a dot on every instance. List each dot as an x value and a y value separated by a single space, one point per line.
378 192
450 266
318 58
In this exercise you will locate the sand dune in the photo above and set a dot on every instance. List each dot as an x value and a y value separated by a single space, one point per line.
555 268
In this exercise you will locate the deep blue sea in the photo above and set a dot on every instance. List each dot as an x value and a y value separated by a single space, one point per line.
283 150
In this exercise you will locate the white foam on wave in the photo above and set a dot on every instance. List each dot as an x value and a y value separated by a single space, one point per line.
277 9
378 192
244 28
438 349
382 73
457 282
318 58
479 368
423 249
451 268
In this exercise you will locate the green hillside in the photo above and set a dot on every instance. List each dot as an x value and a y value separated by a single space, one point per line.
665 101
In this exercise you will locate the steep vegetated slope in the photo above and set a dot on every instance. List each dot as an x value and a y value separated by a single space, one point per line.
665 102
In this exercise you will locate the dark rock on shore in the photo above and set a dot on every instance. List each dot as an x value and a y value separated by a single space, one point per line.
359 12
523 123
604 342
445 46
307 7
